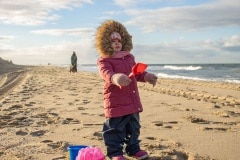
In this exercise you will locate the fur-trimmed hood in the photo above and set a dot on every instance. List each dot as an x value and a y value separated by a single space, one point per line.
103 40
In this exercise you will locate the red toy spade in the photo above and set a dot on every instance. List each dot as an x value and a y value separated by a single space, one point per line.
137 69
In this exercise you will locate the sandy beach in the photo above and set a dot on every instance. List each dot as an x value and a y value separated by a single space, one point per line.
45 109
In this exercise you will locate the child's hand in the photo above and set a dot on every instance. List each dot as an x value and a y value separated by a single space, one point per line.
120 79
151 78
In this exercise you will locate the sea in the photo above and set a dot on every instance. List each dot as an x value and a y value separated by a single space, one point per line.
205 72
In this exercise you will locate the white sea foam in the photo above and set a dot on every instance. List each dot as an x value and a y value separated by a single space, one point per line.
233 81
163 75
189 68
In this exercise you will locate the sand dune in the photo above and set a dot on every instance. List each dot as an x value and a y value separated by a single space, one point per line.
50 109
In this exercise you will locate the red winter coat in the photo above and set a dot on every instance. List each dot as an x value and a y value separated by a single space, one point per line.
119 102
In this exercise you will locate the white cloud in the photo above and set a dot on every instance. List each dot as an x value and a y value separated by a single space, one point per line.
85 32
33 13
232 41
126 3
6 38
54 54
187 18
232 44
137 3
229 44
4 43
208 51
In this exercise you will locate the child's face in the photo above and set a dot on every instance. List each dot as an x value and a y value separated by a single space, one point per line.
116 45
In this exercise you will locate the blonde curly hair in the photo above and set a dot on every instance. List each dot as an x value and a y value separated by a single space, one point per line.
103 40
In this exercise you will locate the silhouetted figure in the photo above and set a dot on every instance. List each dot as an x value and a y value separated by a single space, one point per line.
73 67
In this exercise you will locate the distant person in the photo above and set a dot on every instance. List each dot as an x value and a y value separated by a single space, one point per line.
73 67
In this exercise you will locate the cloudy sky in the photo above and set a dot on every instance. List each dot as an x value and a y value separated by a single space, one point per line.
38 32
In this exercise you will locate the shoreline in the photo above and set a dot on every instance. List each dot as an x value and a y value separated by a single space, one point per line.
201 72
182 119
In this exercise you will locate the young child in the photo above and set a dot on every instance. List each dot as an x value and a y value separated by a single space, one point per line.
121 105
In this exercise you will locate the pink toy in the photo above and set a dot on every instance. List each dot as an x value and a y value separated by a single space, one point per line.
137 69
90 153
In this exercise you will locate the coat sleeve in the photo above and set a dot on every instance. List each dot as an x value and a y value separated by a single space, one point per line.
105 70
140 77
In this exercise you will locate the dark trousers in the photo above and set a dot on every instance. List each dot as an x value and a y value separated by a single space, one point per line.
119 131
73 68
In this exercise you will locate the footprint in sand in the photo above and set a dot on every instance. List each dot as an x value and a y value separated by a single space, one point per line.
189 109
214 128
38 133
202 121
74 94
98 135
30 104
3 124
59 158
86 101
11 120
14 107
166 124
81 108
95 136
101 115
5 117
14 113
165 148
151 138
47 141
58 145
21 133
197 120
233 113
14 123
44 119
92 124
23 99
70 121
158 123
